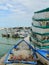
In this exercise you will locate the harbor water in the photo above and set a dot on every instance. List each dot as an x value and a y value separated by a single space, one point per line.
6 43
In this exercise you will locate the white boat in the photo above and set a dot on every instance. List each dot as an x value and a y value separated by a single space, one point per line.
43 56
40 26
40 30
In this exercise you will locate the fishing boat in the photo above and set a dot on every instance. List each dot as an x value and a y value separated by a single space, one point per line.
23 53
40 43
39 36
40 30
15 35
43 56
6 35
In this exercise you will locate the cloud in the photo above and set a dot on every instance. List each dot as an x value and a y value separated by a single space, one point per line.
33 5
17 6
20 10
3 8
28 5
23 6
12 6
9 5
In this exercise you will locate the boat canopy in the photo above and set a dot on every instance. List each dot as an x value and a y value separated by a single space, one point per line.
44 10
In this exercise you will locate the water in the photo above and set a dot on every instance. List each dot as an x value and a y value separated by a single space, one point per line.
6 43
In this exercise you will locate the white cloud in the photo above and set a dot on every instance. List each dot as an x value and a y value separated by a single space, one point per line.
16 5
30 4
20 10
9 5
33 5
3 8
24 6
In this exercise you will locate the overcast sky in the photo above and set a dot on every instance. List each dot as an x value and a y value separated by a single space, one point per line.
15 13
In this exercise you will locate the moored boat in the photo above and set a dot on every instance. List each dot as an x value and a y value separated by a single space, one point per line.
40 34
23 53
6 35
43 56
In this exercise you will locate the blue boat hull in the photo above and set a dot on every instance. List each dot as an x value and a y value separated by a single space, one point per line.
42 56
17 61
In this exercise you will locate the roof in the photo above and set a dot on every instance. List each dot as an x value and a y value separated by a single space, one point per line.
43 10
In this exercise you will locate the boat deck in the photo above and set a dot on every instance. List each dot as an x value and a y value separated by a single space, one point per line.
2 61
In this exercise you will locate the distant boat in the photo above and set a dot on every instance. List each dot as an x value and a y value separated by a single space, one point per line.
15 36
22 35
43 56
6 35
20 47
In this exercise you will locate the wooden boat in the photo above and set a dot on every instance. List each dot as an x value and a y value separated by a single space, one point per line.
41 24
22 35
40 43
43 56
26 54
5 35
40 37
15 36
40 30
